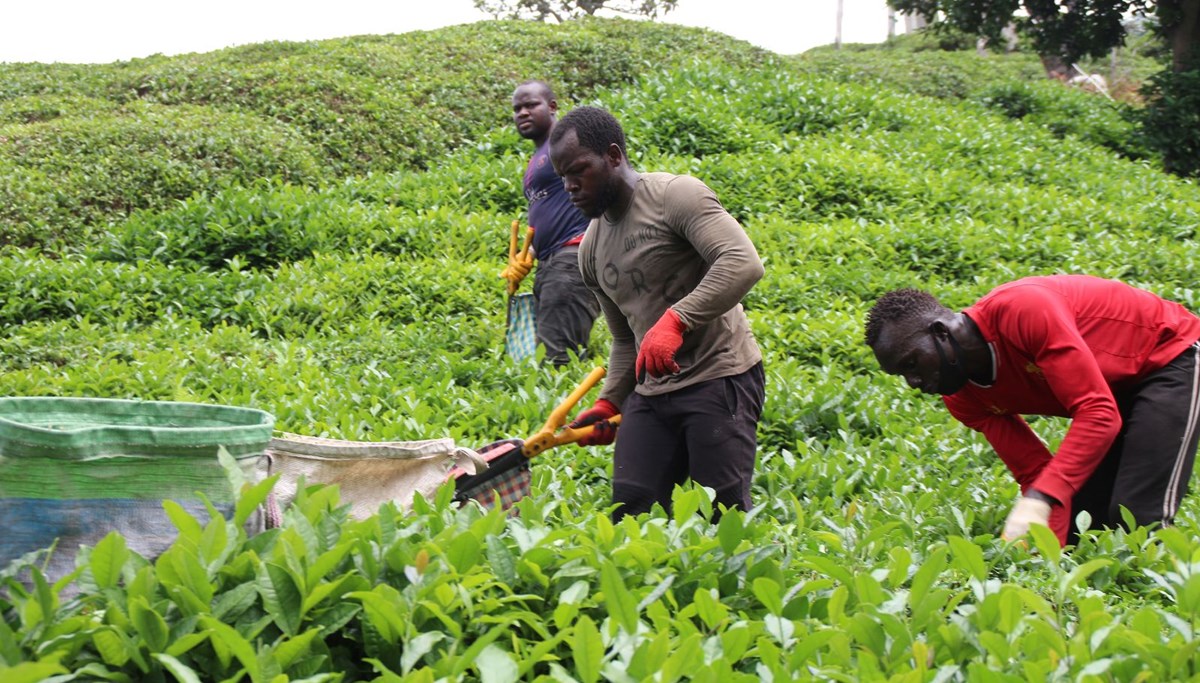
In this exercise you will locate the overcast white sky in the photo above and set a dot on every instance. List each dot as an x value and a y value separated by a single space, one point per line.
110 30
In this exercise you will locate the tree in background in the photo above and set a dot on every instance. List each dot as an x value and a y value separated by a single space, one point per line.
1180 20
562 10
1062 31
1171 120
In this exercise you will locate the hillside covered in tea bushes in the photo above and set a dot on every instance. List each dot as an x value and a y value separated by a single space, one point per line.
316 230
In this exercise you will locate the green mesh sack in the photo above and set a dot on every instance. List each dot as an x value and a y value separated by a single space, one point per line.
74 469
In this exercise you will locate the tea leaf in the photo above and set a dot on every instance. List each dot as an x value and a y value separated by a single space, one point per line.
968 556
10 650
587 649
239 646
233 602
292 649
1080 574
709 608
464 552
108 558
281 596
687 653
149 624
735 641
496 666
181 672
653 596
233 471
111 647
769 594
501 560
189 528
730 531
253 497
1046 543
617 598
470 655
32 672
418 647
185 644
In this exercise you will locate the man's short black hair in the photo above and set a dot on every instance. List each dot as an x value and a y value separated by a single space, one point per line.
596 128
899 306
547 91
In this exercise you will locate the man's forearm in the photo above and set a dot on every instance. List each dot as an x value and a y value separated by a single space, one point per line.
725 284
620 380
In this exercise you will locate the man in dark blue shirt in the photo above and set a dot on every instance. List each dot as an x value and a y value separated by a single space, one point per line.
566 308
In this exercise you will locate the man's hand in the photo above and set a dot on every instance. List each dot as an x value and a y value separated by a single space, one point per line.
657 354
603 432
1026 512
518 267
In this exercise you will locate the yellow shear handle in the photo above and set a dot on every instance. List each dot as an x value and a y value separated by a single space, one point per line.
569 435
549 435
512 254
528 241
512 250
512 240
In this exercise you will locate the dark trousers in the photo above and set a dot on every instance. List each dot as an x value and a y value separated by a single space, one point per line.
705 432
1148 466
566 308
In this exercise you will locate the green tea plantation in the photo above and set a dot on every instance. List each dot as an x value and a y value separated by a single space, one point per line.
317 230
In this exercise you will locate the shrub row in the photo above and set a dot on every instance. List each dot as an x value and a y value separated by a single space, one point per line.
63 180
344 107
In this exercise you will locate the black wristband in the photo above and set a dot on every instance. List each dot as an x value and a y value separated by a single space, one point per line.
1044 497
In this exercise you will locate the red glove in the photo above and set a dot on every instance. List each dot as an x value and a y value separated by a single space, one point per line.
603 433
657 354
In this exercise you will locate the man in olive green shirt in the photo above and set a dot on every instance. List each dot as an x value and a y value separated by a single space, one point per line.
669 267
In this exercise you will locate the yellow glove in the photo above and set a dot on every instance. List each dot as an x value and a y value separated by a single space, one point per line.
1026 512
518 267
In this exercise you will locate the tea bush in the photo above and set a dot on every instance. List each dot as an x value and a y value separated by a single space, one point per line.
27 79
273 224
64 177
1065 111
37 108
953 75
1013 84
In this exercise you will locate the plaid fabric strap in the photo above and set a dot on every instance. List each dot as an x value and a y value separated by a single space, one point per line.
508 476
511 486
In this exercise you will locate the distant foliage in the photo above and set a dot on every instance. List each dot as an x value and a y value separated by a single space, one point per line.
945 75
1065 111
1171 119
1013 85
1061 33
563 10
65 178
347 106
39 108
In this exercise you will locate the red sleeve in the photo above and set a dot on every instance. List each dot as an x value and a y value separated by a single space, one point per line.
1043 328
1018 447
1021 450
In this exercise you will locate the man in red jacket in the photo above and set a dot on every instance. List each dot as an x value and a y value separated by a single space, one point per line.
1119 361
